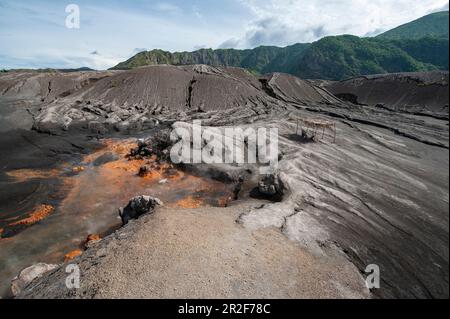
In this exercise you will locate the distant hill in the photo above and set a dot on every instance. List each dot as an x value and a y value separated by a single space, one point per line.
331 58
432 25
82 69
263 59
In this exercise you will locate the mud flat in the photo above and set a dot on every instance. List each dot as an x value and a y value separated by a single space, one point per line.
375 194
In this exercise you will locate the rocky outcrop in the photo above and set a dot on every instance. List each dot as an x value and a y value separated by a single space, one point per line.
158 145
271 187
137 207
26 276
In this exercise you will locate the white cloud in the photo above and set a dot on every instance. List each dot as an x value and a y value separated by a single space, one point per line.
138 50
167 7
197 12
283 22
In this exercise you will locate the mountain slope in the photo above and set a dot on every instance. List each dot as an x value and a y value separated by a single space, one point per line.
421 45
434 25
428 50
341 57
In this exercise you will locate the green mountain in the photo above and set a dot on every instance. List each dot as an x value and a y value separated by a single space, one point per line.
342 57
333 58
204 56
432 25
263 59
428 50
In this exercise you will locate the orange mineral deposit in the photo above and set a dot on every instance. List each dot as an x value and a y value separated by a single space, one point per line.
72 255
39 213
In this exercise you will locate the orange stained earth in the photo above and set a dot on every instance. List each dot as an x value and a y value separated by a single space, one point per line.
189 202
120 177
92 238
121 148
98 191
72 255
39 213
22 175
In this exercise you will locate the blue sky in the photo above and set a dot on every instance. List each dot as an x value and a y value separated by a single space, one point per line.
33 32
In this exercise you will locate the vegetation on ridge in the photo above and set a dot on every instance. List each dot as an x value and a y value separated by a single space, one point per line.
421 45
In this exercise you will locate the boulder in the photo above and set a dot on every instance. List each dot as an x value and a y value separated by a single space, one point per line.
157 145
271 187
26 276
143 171
137 207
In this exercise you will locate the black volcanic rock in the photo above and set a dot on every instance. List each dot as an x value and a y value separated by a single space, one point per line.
138 206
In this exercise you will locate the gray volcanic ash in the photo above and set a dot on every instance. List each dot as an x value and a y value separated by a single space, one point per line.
377 193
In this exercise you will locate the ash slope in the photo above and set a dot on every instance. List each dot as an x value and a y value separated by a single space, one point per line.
133 100
379 194
418 93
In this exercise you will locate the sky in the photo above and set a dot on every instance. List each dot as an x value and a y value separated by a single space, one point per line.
34 33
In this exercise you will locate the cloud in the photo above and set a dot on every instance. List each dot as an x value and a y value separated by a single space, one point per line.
443 8
230 43
95 52
197 12
167 8
138 50
198 47
284 22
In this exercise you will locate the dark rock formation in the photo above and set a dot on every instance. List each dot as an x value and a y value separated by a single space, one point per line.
143 171
157 145
138 206
271 187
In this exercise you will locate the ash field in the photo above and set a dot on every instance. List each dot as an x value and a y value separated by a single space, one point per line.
363 179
